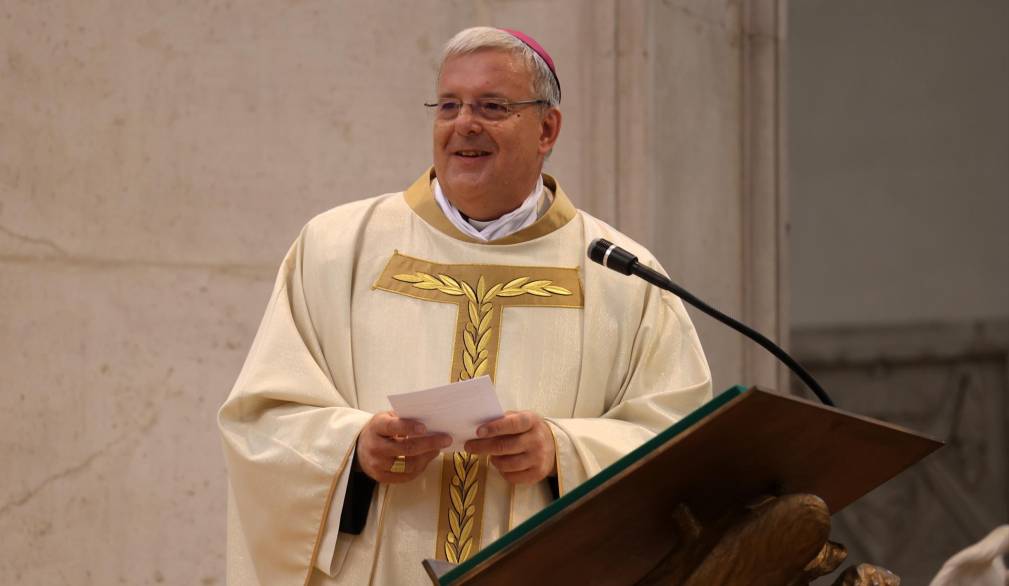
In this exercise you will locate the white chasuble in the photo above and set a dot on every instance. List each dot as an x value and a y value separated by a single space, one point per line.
385 295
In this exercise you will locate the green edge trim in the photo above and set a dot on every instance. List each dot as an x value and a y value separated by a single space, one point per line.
591 484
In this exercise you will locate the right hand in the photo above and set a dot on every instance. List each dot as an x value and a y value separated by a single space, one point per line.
386 436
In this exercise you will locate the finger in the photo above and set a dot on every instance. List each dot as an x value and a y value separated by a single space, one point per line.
413 446
376 454
512 423
498 446
414 466
514 462
388 425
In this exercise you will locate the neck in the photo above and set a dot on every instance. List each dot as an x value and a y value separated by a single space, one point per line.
484 205
482 213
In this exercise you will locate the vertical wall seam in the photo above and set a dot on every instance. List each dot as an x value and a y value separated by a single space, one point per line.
746 213
617 166
781 251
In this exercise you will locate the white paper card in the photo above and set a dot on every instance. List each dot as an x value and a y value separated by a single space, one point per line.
456 409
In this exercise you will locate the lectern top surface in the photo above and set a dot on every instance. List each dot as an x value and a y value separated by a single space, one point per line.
740 445
592 483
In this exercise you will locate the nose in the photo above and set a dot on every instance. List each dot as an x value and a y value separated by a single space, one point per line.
467 123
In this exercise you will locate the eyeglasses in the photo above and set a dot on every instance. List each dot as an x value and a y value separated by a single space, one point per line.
487 109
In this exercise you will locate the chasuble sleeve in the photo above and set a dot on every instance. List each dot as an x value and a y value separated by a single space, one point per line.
665 376
288 434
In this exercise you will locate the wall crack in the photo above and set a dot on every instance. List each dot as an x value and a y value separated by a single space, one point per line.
72 470
36 241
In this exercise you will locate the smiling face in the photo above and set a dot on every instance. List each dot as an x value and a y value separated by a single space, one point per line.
487 169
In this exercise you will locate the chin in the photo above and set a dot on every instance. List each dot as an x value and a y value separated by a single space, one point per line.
464 180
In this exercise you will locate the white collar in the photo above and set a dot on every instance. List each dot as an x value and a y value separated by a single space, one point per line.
508 224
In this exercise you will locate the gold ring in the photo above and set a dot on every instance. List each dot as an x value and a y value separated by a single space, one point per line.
398 465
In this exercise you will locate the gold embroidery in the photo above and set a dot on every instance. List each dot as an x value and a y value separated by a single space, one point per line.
463 489
464 474
461 511
477 333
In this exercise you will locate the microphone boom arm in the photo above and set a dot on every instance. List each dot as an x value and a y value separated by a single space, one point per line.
613 257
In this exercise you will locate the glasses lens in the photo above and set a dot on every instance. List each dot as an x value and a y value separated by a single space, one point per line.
493 109
449 109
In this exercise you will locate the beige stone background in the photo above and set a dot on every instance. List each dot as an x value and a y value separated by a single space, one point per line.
156 160
898 114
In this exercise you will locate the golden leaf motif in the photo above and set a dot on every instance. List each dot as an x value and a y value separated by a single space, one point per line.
515 283
462 512
449 281
470 480
492 293
484 323
470 344
469 292
481 289
453 521
443 283
470 497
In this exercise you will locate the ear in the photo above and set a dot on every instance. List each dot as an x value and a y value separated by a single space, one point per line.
550 129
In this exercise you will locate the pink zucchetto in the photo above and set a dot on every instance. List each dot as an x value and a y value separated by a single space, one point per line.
538 49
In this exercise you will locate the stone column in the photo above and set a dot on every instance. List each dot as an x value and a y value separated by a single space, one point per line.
700 163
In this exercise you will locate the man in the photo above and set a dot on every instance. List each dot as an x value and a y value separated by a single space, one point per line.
409 290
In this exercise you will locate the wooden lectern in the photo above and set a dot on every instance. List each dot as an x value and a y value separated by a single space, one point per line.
738 492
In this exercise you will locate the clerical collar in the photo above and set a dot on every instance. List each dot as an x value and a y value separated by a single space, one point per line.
534 206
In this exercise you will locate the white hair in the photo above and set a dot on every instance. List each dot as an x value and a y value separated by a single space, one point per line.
482 38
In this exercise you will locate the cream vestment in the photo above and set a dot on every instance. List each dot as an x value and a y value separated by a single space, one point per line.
385 295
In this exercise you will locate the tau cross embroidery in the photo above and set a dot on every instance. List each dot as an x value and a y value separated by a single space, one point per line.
481 292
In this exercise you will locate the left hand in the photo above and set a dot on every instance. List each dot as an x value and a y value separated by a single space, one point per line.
520 446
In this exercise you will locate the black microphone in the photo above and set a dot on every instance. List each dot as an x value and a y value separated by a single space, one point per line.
613 257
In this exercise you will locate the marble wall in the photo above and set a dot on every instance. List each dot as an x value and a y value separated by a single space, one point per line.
156 159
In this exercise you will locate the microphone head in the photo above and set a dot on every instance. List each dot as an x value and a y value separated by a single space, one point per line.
612 256
598 248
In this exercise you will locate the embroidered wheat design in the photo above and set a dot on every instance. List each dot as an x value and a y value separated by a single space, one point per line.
475 360
478 331
462 513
